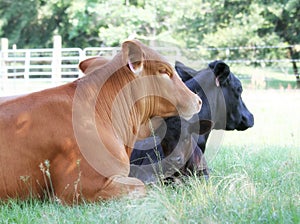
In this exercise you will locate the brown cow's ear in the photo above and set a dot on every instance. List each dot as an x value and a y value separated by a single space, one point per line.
133 56
92 62
83 65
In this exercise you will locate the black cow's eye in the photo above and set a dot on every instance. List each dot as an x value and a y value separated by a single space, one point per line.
240 89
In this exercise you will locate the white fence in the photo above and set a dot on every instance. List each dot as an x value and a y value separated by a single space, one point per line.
33 69
40 63
26 70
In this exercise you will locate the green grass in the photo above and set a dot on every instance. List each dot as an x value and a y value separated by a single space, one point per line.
254 179
245 187
271 77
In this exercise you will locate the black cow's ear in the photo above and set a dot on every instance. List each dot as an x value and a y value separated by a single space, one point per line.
221 71
212 64
184 72
205 126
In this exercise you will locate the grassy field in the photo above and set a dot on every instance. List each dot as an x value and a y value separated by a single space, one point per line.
255 179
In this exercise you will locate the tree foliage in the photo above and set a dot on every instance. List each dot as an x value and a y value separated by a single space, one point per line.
194 23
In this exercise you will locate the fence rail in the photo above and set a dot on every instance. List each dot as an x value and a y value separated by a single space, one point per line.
36 69
38 63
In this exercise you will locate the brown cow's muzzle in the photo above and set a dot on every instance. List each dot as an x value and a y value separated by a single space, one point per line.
191 107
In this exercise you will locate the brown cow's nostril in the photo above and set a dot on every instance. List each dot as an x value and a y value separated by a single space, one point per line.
199 99
199 102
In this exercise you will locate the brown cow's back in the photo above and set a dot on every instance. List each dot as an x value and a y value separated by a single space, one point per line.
25 142
35 141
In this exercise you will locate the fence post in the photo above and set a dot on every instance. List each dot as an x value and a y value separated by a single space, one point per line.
3 58
56 59
295 68
27 65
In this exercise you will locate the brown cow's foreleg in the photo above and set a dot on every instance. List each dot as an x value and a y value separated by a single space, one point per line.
118 186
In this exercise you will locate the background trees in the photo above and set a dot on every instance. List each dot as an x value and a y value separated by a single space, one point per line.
188 24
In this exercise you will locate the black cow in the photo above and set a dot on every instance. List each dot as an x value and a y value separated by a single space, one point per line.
220 91
171 149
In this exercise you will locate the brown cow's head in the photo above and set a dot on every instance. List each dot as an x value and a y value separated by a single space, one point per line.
160 86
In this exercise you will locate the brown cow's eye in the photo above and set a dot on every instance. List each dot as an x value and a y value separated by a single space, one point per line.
162 71
165 71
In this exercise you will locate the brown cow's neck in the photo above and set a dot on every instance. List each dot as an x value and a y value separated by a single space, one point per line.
114 101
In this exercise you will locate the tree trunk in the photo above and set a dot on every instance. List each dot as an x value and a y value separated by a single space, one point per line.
295 68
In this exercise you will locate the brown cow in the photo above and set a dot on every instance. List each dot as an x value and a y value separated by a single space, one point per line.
85 130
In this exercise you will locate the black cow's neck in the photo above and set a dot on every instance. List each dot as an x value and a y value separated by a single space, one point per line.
205 112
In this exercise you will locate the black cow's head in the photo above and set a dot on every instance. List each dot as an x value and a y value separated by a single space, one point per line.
179 145
237 115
